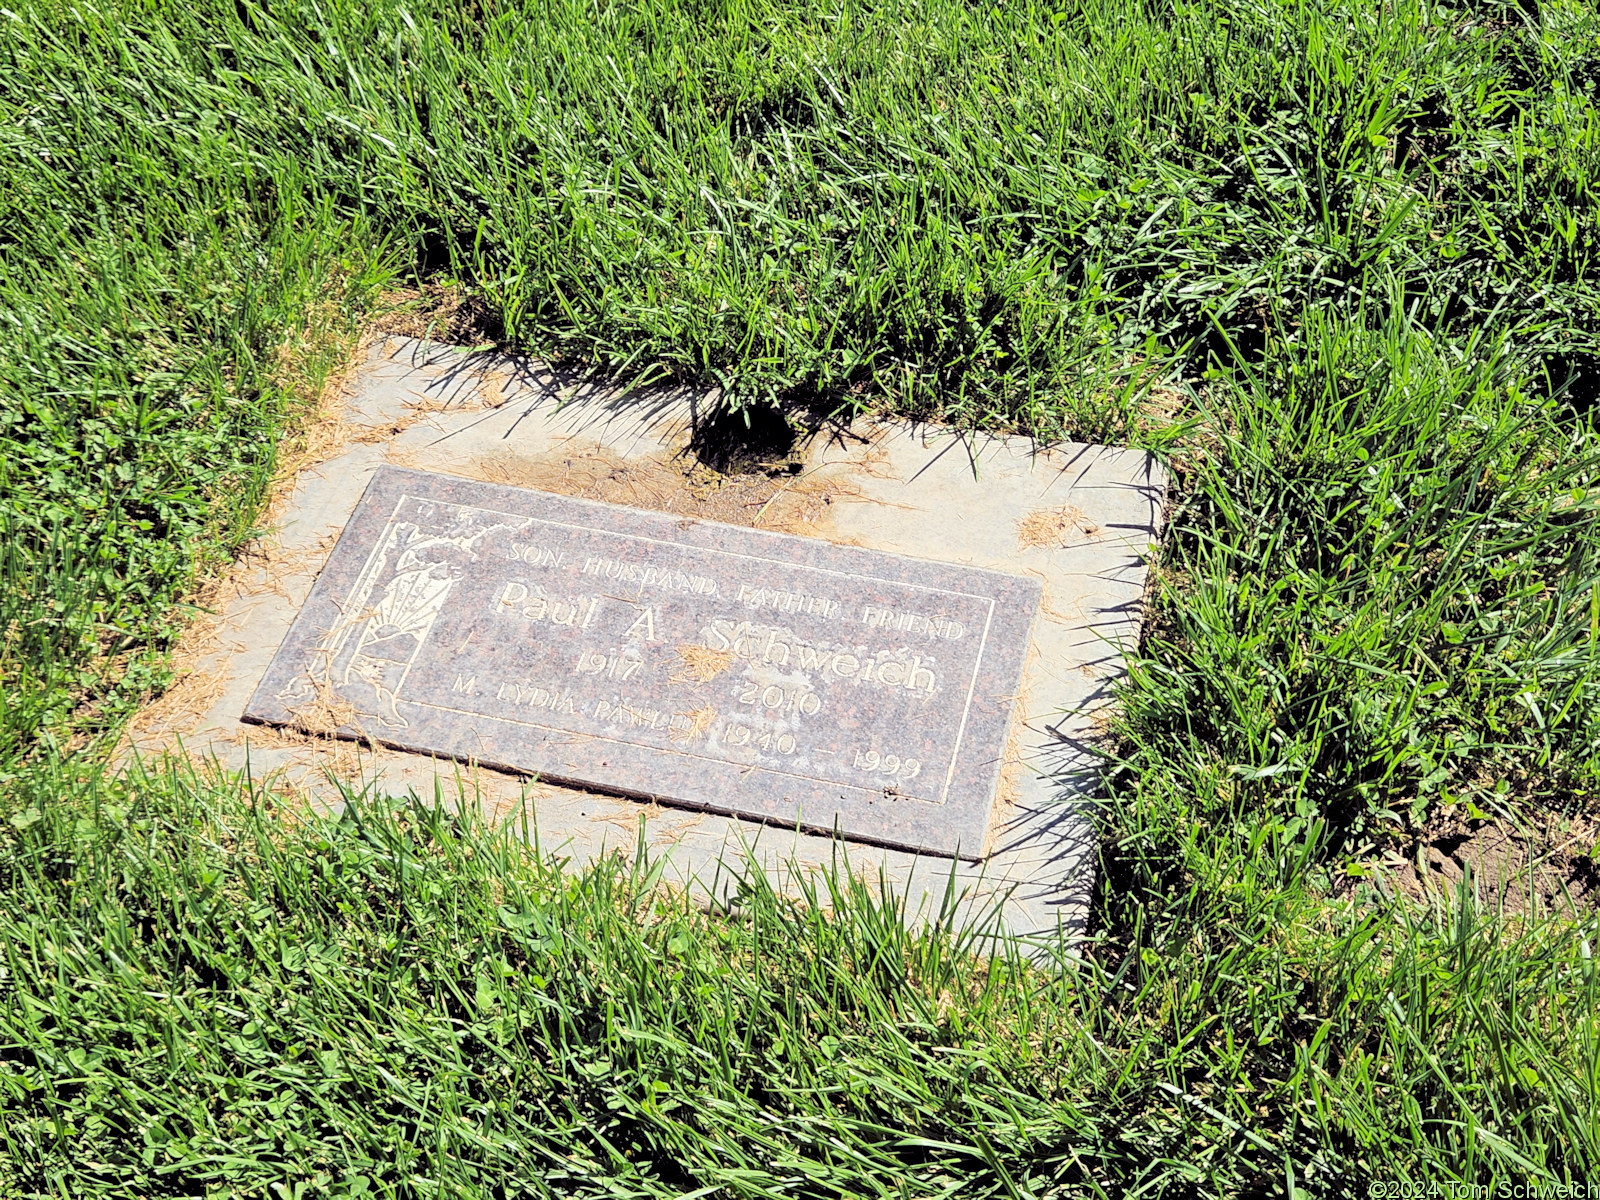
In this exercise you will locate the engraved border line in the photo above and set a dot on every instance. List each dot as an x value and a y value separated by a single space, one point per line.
966 711
966 708
639 537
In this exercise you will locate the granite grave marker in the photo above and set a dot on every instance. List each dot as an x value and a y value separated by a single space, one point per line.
760 674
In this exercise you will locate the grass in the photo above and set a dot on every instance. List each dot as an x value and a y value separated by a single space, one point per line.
1334 262
403 1003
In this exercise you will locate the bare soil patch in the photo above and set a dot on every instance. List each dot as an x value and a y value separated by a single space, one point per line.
440 314
1549 868
777 499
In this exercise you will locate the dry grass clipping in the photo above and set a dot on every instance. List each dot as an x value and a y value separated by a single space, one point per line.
339 755
804 505
321 431
198 680
701 664
447 314
699 721
277 565
182 706
1054 528
873 459
327 713
1008 787
418 410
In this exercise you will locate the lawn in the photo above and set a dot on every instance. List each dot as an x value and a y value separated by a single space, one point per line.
1335 263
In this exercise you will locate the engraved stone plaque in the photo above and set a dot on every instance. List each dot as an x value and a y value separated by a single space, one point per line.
759 674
